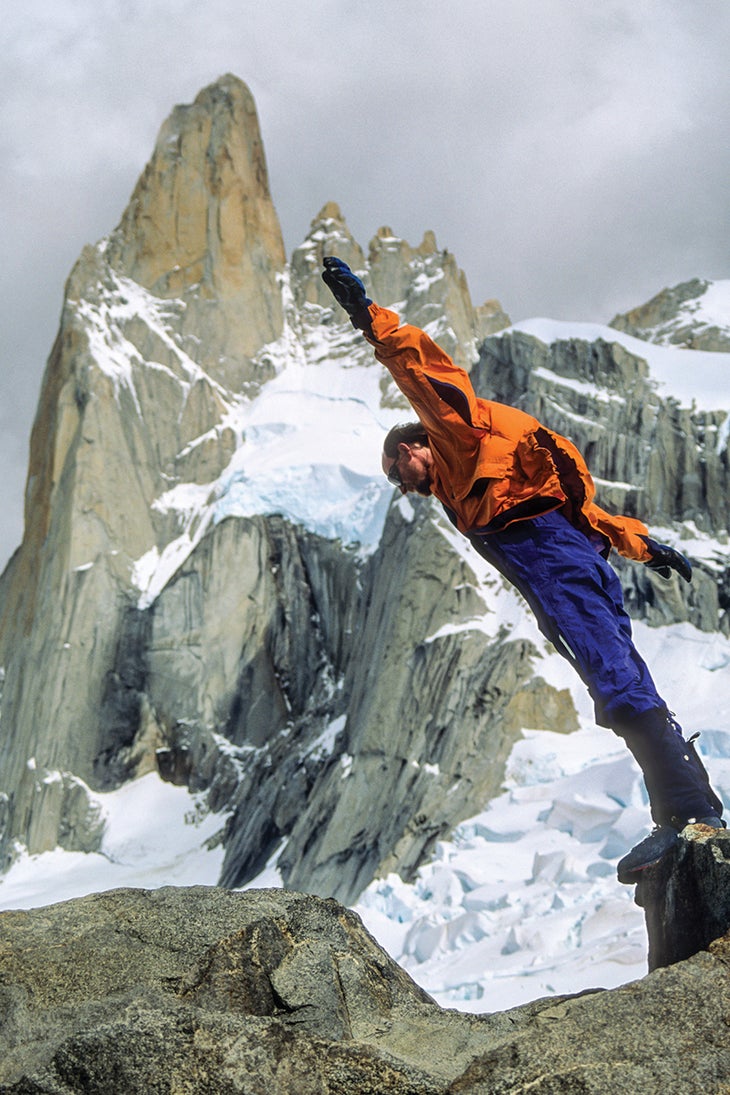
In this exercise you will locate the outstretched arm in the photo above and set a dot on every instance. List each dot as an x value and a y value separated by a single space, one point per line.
439 391
442 396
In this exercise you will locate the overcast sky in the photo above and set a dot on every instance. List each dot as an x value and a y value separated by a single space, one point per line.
574 156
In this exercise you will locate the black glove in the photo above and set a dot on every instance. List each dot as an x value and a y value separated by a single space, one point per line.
665 559
348 291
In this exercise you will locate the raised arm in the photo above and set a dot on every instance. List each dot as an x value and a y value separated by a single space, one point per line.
439 391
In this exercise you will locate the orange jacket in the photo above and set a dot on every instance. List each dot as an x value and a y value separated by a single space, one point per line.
493 464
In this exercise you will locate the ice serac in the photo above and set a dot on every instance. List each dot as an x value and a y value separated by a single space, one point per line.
157 333
205 990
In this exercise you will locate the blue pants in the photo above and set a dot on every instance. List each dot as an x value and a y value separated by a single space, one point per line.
578 603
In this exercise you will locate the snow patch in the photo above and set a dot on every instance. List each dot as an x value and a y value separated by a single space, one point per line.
155 835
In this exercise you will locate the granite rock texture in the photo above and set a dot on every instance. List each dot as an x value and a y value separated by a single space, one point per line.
273 993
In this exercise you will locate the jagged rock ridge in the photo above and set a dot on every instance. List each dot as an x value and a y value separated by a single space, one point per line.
695 314
342 710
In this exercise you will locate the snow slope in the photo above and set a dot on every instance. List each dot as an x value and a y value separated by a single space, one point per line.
309 449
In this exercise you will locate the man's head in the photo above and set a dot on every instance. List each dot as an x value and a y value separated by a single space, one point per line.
407 458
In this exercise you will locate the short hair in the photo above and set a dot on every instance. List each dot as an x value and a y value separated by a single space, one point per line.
412 433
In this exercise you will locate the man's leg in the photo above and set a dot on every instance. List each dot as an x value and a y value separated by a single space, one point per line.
578 603
676 779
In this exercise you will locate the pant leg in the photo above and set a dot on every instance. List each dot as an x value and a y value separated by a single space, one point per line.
578 603
676 779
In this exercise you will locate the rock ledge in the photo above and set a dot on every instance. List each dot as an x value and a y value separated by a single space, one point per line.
267 991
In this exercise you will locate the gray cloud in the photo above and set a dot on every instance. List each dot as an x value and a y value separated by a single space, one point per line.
573 157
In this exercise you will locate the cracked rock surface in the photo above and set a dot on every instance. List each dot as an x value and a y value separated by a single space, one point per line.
268 991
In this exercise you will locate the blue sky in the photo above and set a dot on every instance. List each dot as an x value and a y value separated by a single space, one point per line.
572 156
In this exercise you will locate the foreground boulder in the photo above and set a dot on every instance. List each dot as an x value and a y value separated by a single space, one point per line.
267 991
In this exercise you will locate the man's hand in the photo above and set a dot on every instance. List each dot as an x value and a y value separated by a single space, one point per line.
348 291
665 559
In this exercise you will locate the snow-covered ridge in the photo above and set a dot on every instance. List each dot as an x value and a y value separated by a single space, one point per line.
692 377
710 309
695 313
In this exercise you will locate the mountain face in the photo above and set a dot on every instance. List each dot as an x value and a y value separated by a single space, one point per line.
95 467
217 583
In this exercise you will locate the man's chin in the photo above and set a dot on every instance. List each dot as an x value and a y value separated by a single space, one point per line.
424 489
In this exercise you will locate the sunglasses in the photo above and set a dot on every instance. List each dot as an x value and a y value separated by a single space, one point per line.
394 475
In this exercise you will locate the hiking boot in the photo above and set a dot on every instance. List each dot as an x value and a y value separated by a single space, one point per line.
656 845
646 853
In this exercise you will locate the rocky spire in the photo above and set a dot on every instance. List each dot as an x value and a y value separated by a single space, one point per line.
201 224
158 333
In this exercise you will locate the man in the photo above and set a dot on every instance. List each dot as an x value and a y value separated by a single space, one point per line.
524 498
